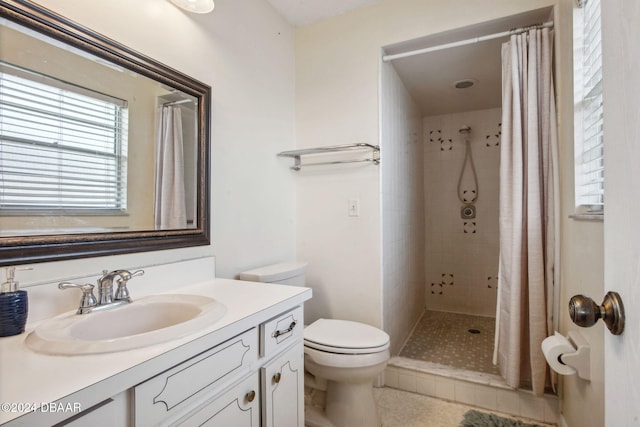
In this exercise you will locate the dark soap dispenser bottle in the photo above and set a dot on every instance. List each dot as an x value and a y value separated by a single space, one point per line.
14 306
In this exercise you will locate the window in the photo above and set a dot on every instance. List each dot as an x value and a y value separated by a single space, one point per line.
63 148
589 173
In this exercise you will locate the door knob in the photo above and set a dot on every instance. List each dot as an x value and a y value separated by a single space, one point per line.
585 312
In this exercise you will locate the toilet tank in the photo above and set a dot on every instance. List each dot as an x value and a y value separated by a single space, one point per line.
286 273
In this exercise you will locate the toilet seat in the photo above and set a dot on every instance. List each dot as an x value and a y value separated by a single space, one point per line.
345 337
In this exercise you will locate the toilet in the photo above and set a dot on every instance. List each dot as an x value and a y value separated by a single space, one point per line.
346 356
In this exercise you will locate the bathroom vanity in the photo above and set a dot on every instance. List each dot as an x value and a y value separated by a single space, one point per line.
246 369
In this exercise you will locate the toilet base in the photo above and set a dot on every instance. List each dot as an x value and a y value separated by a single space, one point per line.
315 417
351 404
349 400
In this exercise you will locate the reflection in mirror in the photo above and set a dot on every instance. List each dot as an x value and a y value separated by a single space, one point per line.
97 143
79 137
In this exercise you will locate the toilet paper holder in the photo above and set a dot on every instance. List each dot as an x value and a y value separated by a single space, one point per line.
580 359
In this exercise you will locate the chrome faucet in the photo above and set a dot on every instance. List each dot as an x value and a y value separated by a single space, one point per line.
105 286
106 298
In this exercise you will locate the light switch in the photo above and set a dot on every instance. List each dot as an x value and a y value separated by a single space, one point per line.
354 207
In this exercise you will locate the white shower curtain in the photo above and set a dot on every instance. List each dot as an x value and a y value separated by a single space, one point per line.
170 205
528 209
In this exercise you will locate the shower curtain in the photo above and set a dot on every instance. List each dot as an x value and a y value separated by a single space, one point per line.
528 209
170 206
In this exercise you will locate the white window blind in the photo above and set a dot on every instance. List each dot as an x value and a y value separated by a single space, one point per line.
589 131
62 148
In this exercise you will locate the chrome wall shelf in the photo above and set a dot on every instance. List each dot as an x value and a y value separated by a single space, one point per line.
298 154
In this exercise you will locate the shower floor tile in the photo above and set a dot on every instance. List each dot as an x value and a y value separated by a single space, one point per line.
460 341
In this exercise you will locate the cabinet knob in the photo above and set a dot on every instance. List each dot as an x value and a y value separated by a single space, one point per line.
250 396
276 378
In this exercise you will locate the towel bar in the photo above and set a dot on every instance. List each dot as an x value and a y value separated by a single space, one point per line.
297 154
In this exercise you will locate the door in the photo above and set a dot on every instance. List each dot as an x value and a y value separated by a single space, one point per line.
621 65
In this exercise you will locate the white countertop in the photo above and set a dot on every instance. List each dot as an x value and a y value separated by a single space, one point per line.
27 377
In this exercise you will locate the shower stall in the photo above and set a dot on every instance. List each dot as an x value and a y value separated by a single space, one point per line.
441 203
440 183
461 160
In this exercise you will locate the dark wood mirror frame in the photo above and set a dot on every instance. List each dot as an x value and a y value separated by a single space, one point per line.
43 248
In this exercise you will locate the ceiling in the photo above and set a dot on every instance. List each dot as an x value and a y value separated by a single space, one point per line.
303 12
429 77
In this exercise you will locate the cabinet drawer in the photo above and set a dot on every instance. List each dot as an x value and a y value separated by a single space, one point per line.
166 396
281 331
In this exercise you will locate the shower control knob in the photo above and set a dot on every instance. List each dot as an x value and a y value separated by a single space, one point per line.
585 312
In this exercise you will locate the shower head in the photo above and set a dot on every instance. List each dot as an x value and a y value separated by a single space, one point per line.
465 130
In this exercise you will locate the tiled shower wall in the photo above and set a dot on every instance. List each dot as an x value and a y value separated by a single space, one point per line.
461 254
402 209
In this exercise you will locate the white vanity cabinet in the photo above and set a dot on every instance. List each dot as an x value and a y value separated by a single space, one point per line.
257 375
224 374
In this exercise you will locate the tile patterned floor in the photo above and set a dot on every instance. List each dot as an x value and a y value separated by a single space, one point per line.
403 409
444 338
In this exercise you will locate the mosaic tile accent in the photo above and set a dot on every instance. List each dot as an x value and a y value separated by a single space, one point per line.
443 338
469 196
446 145
492 282
447 279
469 227
493 140
436 289
435 136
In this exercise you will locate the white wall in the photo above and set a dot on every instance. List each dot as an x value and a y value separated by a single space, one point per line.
403 245
244 51
582 255
462 254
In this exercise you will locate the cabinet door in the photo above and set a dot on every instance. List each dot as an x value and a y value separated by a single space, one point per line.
238 407
283 389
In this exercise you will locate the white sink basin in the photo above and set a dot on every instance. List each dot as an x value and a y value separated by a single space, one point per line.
146 321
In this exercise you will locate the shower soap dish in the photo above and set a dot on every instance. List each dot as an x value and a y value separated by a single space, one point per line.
14 306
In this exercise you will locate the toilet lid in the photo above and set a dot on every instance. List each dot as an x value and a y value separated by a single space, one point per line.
344 336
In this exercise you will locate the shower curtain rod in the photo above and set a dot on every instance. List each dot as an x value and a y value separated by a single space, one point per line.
387 58
180 101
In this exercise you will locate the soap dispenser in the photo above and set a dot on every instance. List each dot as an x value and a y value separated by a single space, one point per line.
14 306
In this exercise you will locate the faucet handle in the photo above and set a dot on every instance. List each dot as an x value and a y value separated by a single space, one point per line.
122 293
88 300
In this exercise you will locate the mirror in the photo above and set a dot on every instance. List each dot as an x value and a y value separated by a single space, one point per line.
102 149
